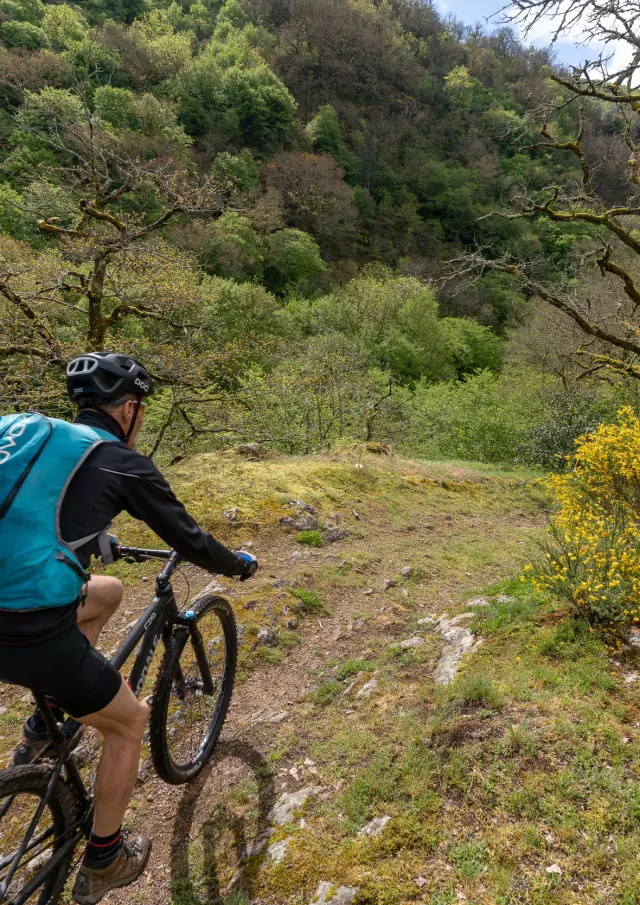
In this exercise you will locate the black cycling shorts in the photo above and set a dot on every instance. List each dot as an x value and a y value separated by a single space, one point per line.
45 650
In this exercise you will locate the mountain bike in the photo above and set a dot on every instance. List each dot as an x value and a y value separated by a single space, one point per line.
191 697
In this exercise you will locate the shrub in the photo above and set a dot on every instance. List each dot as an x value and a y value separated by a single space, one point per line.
593 557
482 418
22 34
309 600
311 538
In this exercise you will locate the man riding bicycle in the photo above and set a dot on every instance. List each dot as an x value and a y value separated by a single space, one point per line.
47 640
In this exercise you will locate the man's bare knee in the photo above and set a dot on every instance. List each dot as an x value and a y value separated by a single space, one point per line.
132 728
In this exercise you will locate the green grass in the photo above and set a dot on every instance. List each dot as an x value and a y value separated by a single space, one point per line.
309 601
526 746
326 692
351 668
311 538
473 690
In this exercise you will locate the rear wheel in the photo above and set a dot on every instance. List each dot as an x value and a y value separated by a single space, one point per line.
22 791
189 707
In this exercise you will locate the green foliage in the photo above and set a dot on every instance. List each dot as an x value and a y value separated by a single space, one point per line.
292 262
473 347
474 690
484 417
23 35
229 91
238 172
392 319
327 692
231 248
63 26
310 538
31 11
326 135
309 600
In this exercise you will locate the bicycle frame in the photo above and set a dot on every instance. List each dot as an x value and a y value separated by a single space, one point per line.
155 623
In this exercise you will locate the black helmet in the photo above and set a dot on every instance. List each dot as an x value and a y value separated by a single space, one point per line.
105 376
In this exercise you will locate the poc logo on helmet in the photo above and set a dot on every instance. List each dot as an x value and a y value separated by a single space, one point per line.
140 383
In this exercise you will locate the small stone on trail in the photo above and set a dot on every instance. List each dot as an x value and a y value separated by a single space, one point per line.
283 809
504 598
374 827
336 534
355 514
631 678
296 554
554 869
368 592
282 583
428 620
302 506
458 642
250 605
406 571
286 521
277 850
388 583
145 578
633 639
3 710
368 688
327 894
308 762
274 718
306 523
410 643
268 636
479 601
231 515
420 881
405 593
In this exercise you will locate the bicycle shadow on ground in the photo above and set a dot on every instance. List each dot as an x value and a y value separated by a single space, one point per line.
199 884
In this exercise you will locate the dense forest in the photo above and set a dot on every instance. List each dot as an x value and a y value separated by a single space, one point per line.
263 199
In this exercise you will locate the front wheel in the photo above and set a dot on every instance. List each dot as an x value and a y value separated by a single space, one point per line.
193 690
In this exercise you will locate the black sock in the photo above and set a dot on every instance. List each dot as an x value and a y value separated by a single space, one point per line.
103 850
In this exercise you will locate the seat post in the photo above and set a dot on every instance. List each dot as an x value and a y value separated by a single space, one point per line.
44 708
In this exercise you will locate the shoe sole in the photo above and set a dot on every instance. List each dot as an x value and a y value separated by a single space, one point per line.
93 900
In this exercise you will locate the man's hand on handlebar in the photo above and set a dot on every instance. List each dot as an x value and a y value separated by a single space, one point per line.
249 564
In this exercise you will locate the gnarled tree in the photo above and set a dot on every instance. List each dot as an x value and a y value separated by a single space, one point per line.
590 122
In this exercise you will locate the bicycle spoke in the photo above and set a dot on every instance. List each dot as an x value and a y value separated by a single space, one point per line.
28 845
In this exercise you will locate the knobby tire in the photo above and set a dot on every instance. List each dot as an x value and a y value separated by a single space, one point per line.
169 676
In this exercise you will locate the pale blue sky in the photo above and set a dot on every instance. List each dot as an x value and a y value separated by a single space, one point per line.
472 11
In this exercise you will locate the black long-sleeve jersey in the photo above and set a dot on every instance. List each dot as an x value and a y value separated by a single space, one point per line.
115 478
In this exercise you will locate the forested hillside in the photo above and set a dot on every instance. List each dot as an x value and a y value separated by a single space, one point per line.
259 198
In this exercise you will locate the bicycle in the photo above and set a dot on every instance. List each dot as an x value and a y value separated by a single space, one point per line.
198 665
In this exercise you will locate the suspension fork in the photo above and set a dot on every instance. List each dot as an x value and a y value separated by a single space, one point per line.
201 655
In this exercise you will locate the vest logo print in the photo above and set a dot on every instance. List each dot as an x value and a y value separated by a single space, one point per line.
8 443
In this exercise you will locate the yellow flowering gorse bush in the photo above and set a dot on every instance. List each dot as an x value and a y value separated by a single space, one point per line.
593 559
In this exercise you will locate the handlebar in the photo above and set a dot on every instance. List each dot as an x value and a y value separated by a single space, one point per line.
138 554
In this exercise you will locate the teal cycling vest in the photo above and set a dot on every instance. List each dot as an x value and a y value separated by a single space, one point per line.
38 458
